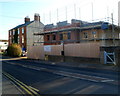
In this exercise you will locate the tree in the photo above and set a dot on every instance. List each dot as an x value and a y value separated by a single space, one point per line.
14 50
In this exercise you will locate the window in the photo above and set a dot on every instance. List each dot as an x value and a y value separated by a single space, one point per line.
119 35
61 36
54 37
94 34
18 31
48 37
85 35
22 38
22 30
13 32
13 41
18 40
69 35
10 33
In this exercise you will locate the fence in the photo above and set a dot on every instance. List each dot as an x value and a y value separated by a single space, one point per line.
87 50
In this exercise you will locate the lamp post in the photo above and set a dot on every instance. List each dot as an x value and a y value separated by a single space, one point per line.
62 52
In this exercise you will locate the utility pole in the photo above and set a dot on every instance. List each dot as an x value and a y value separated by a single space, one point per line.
57 15
79 13
66 12
75 10
50 16
113 31
92 10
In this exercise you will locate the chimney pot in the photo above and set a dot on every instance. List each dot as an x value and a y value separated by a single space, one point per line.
27 19
37 17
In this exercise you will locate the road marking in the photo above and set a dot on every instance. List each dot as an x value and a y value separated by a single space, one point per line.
19 58
82 76
7 75
22 85
89 89
34 88
69 74
75 89
107 80
21 91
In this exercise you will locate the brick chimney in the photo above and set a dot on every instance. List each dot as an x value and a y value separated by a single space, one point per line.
27 19
37 17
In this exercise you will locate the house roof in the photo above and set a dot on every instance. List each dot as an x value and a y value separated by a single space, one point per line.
22 25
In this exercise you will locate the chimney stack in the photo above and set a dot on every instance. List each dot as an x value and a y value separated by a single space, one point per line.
27 19
37 17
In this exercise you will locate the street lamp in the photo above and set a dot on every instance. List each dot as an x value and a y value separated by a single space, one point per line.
62 52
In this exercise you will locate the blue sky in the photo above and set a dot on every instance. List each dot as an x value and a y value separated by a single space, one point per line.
13 12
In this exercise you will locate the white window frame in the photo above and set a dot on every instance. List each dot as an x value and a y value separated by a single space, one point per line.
23 30
22 38
18 31
13 32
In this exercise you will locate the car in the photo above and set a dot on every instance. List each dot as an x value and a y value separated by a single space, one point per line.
24 53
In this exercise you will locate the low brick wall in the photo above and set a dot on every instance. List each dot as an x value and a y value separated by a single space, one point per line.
73 59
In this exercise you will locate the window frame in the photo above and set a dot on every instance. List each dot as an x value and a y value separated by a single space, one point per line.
85 35
61 36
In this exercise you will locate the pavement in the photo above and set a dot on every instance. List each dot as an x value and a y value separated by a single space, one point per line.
73 64
9 88
82 65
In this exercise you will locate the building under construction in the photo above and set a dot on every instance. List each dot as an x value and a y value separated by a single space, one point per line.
80 31
78 41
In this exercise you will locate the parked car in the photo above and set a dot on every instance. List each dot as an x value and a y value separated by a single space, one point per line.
24 53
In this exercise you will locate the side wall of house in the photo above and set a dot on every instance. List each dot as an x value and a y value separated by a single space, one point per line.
35 27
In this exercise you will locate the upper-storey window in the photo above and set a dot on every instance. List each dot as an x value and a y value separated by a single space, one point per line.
22 30
13 32
18 31
53 37
69 35
85 35
48 37
61 36
94 34
10 33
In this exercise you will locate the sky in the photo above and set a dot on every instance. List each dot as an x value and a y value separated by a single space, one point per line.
13 12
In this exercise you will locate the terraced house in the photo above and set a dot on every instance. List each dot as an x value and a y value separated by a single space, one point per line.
23 34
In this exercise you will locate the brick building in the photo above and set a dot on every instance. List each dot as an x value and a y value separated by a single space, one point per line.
79 31
23 34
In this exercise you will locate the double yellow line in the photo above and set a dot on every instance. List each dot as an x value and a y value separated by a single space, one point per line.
28 89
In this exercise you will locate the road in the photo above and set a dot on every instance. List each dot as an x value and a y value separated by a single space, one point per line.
33 77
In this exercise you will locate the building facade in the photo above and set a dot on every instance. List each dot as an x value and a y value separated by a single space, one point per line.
79 31
23 34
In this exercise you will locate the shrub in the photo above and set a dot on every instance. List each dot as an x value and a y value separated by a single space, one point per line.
14 50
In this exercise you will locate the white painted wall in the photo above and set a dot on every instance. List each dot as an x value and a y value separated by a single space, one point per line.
32 28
